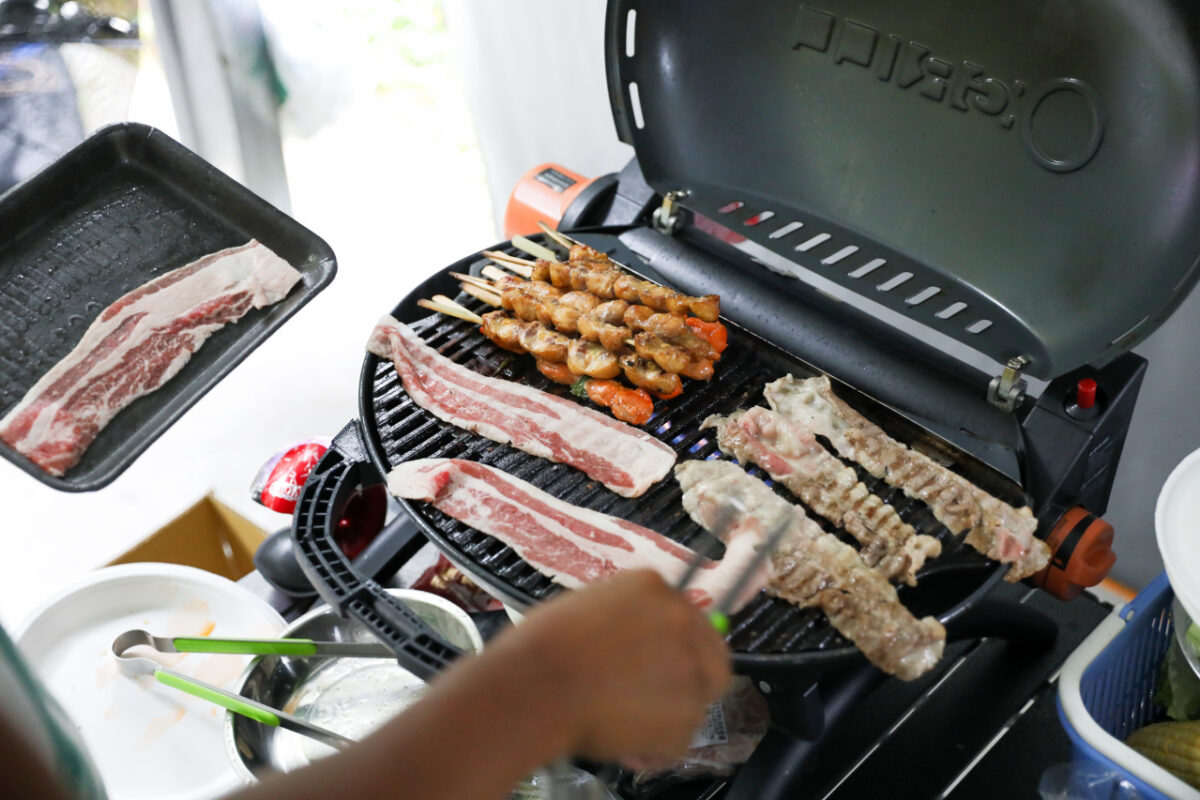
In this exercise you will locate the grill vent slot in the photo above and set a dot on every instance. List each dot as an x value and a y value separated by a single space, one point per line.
980 326
922 296
730 207
786 229
630 28
845 252
950 310
892 283
758 218
635 102
869 267
820 238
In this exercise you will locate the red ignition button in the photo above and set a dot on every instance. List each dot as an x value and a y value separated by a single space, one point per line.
1085 393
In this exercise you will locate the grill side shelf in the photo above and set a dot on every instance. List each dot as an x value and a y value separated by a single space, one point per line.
342 469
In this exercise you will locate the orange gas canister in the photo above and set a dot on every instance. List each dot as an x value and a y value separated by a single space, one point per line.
542 195
1081 554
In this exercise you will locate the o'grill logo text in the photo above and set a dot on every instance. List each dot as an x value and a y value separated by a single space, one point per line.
1061 121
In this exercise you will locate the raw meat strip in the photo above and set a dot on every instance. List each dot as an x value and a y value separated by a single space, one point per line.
993 527
790 453
623 458
135 346
815 569
572 546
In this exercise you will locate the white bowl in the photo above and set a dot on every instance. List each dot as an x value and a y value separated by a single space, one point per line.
147 740
1177 527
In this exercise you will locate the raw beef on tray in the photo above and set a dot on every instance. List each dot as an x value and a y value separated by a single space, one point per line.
136 345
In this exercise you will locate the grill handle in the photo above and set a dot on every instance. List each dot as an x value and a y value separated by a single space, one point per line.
343 469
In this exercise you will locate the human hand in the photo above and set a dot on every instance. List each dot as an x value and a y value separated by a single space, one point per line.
627 666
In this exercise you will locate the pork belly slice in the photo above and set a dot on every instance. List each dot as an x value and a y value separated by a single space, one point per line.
814 569
792 456
992 527
572 546
626 460
136 345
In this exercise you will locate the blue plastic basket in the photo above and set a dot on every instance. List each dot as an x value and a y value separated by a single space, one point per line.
1105 689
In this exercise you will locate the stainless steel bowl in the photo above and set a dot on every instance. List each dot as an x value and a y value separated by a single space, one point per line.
350 696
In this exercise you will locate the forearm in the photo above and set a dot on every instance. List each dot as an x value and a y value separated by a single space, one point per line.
479 730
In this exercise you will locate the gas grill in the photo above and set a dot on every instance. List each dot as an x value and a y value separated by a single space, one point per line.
922 210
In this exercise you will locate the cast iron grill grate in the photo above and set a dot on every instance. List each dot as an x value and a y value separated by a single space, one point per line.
398 430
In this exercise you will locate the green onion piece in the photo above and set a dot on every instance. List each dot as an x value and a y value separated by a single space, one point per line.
579 387
1193 637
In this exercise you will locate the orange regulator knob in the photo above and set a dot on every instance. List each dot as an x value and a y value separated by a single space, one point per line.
1080 554
541 195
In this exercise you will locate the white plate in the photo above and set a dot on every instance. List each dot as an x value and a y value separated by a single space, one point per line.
147 740
1177 526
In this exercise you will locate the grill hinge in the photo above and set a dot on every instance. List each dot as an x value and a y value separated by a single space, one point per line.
666 218
1007 390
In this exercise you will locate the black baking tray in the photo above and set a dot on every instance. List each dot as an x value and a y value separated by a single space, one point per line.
125 206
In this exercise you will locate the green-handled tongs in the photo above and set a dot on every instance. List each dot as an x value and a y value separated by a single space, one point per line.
136 665
250 647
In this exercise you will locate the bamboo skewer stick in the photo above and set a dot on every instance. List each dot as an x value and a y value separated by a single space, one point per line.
534 249
481 283
482 290
562 239
491 298
495 273
520 266
505 258
444 305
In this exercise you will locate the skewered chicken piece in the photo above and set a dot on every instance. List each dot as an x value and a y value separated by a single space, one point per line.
603 324
601 276
581 357
563 312
673 328
650 376
640 373
576 312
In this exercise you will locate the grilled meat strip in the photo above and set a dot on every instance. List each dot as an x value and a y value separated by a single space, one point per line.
814 569
626 460
992 527
793 457
573 546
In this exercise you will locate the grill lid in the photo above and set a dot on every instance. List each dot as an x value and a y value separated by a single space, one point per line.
1022 177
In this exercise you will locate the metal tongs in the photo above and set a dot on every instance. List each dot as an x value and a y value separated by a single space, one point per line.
559 787
140 665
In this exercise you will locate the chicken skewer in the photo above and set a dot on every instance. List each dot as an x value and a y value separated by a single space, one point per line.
679 350
595 272
634 406
581 356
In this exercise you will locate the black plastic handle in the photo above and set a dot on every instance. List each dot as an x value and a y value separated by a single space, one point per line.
342 470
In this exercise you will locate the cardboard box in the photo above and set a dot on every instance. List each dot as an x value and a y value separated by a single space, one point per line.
209 535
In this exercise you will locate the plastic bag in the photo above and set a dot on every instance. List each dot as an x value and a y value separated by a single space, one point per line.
1081 781
733 728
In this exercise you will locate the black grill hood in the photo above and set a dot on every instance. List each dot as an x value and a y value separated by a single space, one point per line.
1036 162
